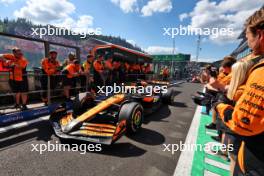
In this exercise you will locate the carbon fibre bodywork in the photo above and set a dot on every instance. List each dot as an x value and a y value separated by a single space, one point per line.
107 119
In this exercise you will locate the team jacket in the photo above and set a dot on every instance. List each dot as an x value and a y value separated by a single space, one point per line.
49 67
71 70
98 66
17 72
87 67
247 117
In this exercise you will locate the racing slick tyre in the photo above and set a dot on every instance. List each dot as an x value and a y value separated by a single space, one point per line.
133 114
81 103
168 97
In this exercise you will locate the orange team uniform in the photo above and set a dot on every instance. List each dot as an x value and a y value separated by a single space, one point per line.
116 65
220 76
98 66
17 73
225 80
147 69
142 68
246 117
87 66
165 72
108 65
50 68
135 67
72 69
127 66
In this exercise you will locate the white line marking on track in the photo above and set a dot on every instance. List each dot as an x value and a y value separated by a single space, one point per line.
184 165
211 133
217 164
180 82
208 173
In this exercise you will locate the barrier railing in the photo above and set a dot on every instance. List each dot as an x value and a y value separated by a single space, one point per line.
35 86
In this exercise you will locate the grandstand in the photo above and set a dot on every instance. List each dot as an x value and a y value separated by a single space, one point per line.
242 49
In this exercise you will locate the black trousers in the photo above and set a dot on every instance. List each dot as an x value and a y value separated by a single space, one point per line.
44 84
98 81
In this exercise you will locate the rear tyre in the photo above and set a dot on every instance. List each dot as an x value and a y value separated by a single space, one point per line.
133 114
168 97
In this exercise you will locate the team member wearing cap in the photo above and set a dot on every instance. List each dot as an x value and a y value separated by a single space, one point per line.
50 68
165 73
127 71
135 70
147 69
87 68
117 71
99 78
69 60
71 72
18 79
109 69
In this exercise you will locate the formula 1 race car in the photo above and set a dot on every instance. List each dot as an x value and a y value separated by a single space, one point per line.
101 119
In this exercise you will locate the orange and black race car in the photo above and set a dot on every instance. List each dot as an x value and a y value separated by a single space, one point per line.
101 119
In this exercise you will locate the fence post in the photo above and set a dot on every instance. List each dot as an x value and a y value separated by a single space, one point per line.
49 92
47 48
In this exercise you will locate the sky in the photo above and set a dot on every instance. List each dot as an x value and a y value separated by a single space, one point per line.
142 22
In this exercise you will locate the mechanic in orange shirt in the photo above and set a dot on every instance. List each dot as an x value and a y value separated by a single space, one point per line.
142 71
50 68
127 66
99 78
71 72
147 69
165 74
86 77
18 79
127 71
69 60
116 71
109 69
135 70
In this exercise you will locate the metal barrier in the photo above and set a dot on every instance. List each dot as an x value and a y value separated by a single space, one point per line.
35 86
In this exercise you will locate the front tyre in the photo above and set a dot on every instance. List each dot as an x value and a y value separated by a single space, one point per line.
168 97
133 114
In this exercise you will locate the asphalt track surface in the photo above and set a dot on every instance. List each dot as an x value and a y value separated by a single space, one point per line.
130 156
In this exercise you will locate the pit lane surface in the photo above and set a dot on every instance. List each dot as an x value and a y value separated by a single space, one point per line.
138 155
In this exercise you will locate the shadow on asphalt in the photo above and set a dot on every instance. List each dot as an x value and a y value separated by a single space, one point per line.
179 104
176 92
41 131
163 113
148 137
124 149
